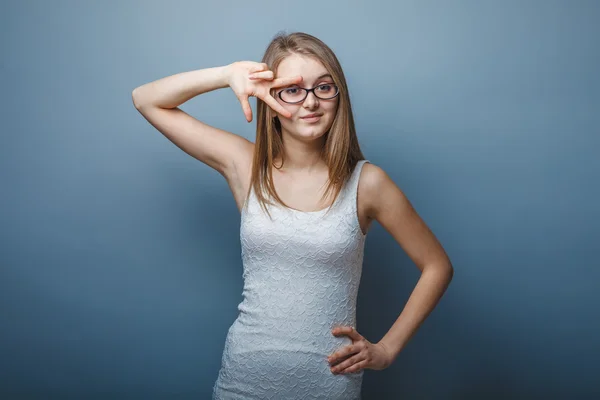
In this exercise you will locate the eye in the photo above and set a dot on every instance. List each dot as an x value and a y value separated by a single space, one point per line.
291 90
326 88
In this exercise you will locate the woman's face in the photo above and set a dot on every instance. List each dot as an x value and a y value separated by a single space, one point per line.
313 74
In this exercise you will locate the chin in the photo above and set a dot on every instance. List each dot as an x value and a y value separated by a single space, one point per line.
308 131
313 136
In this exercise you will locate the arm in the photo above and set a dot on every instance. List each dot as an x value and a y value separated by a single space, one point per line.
158 103
387 204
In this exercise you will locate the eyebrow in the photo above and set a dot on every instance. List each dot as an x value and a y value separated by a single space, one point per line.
319 78
323 76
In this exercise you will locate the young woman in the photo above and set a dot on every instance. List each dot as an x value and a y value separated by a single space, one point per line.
307 197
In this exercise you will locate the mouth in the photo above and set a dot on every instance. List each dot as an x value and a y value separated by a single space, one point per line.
312 117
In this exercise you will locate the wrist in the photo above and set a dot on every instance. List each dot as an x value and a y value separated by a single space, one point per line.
391 350
224 73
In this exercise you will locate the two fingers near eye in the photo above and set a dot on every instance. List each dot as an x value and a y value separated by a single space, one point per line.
279 82
289 80
267 74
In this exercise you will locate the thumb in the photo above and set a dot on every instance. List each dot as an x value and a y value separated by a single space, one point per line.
246 107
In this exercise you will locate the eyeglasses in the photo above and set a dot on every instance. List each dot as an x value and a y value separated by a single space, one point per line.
293 95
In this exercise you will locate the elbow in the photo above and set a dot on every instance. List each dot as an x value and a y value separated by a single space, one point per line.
139 97
449 272
449 269
445 270
135 98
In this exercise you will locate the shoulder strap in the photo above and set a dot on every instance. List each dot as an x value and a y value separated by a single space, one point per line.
354 179
350 191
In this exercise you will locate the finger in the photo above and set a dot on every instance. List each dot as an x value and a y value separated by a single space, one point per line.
290 80
271 102
348 363
344 353
259 67
356 368
348 331
262 75
246 107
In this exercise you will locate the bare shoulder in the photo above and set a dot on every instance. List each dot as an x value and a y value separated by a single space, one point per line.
386 203
374 184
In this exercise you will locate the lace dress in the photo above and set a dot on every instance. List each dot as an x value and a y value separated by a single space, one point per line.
301 274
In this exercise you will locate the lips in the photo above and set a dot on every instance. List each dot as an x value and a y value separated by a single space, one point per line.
311 116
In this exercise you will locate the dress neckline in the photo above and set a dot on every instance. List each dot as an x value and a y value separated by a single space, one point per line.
337 200
316 212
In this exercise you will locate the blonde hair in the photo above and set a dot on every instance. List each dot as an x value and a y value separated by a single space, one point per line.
341 151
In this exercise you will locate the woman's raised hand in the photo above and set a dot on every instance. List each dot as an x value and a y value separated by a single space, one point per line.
249 78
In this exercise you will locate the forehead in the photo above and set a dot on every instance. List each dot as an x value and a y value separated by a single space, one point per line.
296 64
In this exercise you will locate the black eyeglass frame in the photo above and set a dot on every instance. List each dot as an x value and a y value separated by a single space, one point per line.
337 91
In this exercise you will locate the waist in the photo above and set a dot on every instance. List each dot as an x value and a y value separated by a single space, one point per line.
248 335
310 313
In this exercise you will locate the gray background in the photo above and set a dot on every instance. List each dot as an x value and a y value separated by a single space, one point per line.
120 257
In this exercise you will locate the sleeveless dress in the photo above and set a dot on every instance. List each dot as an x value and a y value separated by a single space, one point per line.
301 274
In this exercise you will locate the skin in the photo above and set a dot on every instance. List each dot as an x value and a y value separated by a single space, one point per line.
379 199
303 140
304 172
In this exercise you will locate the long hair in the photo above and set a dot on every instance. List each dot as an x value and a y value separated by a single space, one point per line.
341 150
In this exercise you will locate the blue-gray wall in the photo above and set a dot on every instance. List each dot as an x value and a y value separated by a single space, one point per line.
120 258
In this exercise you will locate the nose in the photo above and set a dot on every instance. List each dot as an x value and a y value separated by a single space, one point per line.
311 101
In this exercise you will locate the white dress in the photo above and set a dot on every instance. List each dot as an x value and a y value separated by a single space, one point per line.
301 274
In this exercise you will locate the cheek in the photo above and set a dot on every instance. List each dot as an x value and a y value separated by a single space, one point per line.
331 107
334 106
332 111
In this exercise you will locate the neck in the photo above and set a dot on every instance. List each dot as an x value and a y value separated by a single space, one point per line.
301 156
